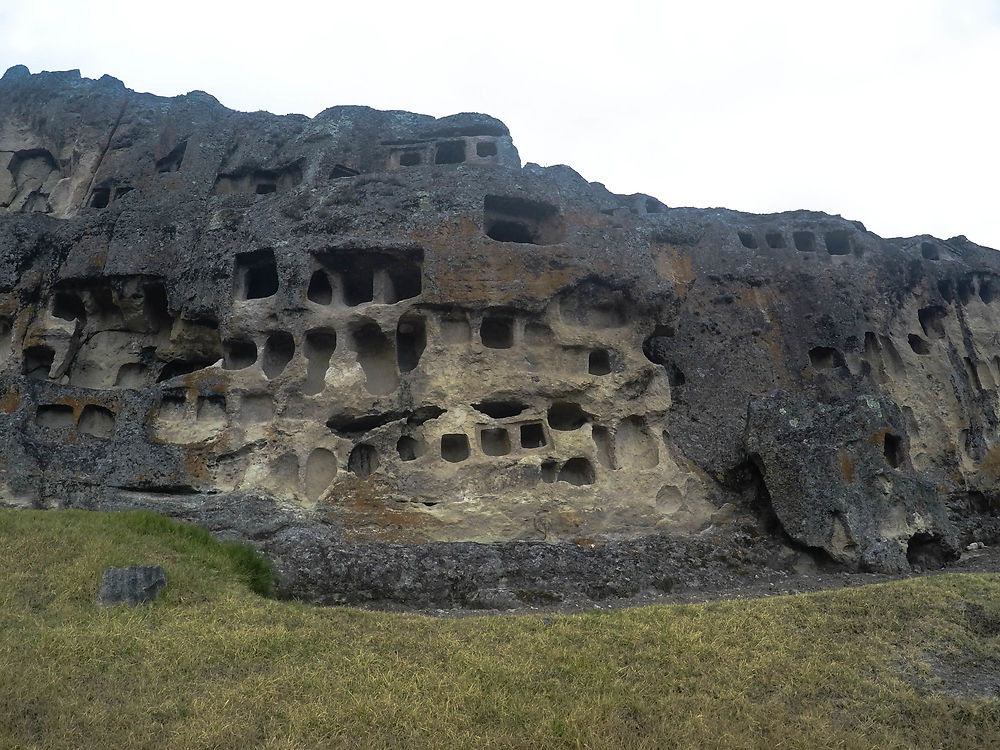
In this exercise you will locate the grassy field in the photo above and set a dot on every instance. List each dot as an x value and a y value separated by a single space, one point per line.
212 664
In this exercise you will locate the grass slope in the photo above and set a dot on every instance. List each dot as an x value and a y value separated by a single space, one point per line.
212 664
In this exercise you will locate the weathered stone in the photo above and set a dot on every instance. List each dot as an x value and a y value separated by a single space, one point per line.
133 586
411 370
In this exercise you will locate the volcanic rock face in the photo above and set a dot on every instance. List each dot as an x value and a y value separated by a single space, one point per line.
368 339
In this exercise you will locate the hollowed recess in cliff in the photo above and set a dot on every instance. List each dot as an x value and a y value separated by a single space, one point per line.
514 219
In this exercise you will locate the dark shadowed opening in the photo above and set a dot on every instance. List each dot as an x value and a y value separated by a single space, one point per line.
932 321
513 219
408 448
67 306
38 361
454 447
406 280
565 416
577 471
497 332
256 275
363 461
411 339
532 435
838 242
826 358
918 345
278 352
987 291
359 286
892 448
500 409
599 362
320 291
805 242
495 441
240 353
450 152
503 230
946 287
775 239
966 288
172 161
927 551
182 367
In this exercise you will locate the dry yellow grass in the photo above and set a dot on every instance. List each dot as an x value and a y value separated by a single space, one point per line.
212 665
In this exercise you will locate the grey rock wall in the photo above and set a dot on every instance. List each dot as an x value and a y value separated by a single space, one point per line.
411 369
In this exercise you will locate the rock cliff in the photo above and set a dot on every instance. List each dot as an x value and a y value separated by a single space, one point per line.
411 369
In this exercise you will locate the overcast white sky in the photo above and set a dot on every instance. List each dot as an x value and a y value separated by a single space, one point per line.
887 111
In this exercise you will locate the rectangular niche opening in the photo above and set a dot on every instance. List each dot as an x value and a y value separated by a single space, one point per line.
54 416
173 407
748 240
826 358
38 361
362 275
486 148
512 219
450 152
775 240
599 362
256 275
358 286
497 332
805 242
455 447
406 282
838 242
258 181
411 340
532 435
97 421
892 449
495 441
409 159
376 356
455 328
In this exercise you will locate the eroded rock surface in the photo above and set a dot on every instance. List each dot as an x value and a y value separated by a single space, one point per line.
410 369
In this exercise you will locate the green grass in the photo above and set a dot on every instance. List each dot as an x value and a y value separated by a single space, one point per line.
213 664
